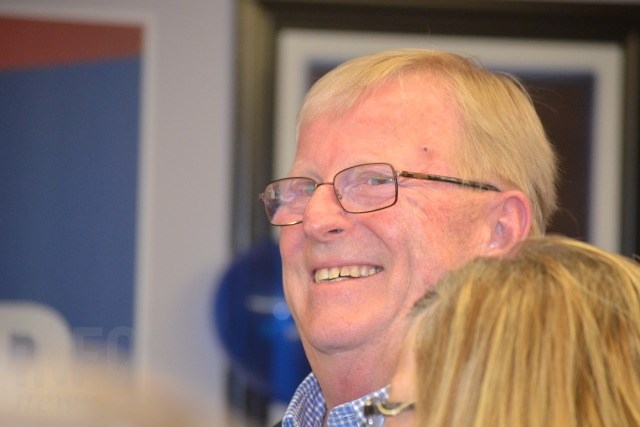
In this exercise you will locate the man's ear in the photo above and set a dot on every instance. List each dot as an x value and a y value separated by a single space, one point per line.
510 221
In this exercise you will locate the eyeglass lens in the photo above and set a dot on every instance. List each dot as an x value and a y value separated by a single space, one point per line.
359 189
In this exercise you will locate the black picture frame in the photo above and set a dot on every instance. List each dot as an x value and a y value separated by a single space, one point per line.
260 21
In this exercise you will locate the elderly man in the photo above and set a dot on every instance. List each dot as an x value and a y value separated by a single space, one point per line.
408 163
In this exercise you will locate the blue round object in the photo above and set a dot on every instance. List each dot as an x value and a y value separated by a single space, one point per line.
255 325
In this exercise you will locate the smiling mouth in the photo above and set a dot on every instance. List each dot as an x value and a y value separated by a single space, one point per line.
334 274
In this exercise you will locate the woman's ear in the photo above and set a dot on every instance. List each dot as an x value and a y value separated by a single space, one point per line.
510 221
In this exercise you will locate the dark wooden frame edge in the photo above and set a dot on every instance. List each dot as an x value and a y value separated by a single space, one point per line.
260 20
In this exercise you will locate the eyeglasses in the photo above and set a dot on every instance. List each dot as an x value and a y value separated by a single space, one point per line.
376 412
360 189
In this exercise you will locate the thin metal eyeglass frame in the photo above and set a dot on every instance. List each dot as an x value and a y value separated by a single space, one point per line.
405 174
385 408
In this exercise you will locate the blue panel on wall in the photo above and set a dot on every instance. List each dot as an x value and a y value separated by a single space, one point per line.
68 184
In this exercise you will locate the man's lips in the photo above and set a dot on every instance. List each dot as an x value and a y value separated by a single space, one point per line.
339 273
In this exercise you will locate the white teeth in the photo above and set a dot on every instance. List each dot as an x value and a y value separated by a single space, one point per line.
333 273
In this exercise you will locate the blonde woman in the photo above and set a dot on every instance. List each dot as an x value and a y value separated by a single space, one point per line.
547 337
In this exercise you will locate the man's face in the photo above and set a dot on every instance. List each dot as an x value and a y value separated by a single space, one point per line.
399 251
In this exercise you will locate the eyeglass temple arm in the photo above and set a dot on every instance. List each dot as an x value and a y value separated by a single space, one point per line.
451 180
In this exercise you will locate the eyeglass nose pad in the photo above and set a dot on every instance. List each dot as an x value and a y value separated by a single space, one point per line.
338 195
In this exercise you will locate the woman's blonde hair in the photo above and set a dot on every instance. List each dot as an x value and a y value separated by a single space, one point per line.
547 337
502 138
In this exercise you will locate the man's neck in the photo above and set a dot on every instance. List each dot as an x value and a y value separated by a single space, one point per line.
344 377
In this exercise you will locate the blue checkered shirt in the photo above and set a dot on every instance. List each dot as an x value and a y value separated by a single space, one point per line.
307 408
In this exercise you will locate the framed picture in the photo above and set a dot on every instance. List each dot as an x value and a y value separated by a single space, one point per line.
581 67
70 119
577 88
140 140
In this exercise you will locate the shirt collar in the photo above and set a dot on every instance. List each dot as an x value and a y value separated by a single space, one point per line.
307 407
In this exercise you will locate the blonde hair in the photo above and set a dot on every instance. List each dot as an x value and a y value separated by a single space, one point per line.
548 337
502 137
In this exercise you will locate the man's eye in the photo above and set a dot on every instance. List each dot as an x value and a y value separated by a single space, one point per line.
378 180
303 189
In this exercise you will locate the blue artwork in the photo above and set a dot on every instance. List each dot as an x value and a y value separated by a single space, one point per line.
69 151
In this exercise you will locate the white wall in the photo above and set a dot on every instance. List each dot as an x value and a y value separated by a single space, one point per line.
184 220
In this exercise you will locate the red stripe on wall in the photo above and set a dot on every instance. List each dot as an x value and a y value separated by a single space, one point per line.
29 43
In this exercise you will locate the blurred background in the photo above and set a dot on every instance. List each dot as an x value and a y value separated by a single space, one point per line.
135 136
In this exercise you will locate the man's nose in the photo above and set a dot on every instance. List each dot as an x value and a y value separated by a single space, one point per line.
324 216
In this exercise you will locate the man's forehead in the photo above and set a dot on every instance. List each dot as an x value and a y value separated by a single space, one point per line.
413 84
